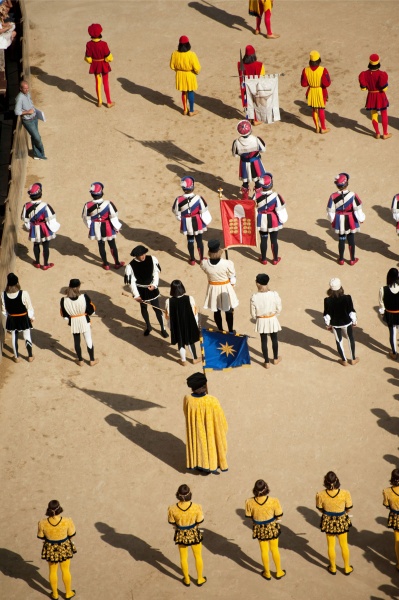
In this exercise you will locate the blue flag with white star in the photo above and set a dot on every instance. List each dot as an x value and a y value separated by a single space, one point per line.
224 350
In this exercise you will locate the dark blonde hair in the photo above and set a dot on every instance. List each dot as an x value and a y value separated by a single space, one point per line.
73 292
217 254
11 289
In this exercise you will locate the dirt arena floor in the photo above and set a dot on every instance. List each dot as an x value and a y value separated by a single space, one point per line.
109 441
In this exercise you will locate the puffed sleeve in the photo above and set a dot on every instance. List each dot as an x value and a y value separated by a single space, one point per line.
278 511
319 502
395 208
40 532
71 531
381 310
171 518
348 501
325 79
278 302
385 499
252 307
304 79
199 517
248 510
195 65
172 62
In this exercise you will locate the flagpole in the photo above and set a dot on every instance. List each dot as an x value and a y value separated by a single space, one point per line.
243 86
220 192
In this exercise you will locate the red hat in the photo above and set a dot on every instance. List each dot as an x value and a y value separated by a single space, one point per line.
187 182
341 180
184 40
374 59
95 30
35 190
249 50
96 188
244 128
267 181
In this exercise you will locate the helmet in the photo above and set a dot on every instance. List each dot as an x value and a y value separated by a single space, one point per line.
187 182
341 180
96 189
35 191
244 128
266 181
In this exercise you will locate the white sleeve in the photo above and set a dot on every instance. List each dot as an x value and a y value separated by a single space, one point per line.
113 217
353 317
27 302
131 280
3 305
395 208
252 307
155 272
231 272
175 209
381 310
85 217
327 320
279 306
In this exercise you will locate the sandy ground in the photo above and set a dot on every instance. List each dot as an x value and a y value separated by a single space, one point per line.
109 442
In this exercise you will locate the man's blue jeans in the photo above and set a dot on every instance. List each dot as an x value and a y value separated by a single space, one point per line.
32 128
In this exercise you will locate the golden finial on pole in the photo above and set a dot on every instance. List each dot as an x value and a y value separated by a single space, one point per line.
220 192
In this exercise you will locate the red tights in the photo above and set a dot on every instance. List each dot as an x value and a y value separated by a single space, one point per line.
268 24
98 78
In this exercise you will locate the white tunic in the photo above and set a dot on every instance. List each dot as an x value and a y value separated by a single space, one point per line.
265 306
77 311
220 294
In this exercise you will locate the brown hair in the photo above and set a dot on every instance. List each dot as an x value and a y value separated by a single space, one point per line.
11 289
73 292
54 508
260 488
335 293
217 254
394 477
184 493
331 481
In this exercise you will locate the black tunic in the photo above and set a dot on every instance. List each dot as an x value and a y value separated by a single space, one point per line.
391 303
339 310
183 326
15 306
144 274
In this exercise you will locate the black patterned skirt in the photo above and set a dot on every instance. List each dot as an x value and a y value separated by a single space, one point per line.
334 525
189 536
393 520
266 531
56 552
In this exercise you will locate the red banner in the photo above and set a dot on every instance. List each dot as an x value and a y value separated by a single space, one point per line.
238 222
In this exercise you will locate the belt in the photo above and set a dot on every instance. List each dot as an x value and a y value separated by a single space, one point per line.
253 159
396 512
76 316
334 514
187 527
56 541
268 316
20 315
98 59
375 91
386 310
264 522
219 282
314 87
343 213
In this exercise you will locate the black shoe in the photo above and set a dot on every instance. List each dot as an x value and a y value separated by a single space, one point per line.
164 333
148 331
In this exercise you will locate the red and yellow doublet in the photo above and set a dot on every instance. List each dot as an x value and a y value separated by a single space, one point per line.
98 55
317 79
375 82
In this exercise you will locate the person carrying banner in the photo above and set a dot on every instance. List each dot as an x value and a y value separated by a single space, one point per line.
182 317
375 82
345 212
142 274
206 428
192 212
185 516
98 55
265 307
272 213
220 296
101 217
248 148
40 220
186 65
317 80
17 308
391 501
259 7
334 505
266 513
249 66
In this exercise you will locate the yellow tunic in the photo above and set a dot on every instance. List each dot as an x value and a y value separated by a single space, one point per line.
334 501
55 528
391 501
315 94
186 65
206 429
186 516
263 508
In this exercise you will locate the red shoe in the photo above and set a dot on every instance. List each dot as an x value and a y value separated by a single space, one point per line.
45 267
276 261
340 262
106 267
36 265
191 262
353 262
119 265
263 262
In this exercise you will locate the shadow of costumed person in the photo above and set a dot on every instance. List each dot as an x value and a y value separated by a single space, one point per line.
182 316
17 307
98 55
391 501
334 504
266 513
186 65
206 428
345 212
142 274
186 516
340 316
220 296
317 80
58 549
389 308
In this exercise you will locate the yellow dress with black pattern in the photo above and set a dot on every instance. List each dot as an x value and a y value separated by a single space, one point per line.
391 501
56 533
334 504
264 512
186 516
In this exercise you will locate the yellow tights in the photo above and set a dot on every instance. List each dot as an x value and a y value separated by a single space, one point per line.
199 565
271 545
66 578
396 534
343 542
